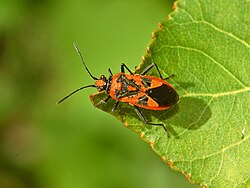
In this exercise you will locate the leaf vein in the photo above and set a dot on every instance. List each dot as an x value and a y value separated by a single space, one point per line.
209 57
214 27
225 32
217 94
198 119
218 152
219 169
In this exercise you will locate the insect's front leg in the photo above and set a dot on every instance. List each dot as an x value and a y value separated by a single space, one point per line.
125 66
110 72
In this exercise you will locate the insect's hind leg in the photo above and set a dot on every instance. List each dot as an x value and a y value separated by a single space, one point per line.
144 120
125 66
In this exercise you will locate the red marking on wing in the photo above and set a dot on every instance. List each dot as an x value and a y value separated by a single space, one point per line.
152 103
131 88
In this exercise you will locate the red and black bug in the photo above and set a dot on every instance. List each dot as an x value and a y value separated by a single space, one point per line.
139 90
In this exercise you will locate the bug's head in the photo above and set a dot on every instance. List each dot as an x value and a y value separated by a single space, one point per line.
101 83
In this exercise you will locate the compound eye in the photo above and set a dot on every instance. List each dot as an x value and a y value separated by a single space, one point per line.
103 78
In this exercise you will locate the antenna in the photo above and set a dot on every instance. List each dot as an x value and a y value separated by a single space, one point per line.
77 49
64 98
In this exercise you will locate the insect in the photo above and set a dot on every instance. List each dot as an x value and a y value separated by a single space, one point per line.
138 90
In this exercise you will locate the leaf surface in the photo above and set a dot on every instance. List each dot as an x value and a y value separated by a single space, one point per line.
206 44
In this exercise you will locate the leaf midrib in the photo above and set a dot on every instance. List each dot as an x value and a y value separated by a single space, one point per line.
234 92
206 55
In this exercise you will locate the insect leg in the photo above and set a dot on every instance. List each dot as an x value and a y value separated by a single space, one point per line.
115 107
148 68
144 120
171 76
110 72
158 70
123 71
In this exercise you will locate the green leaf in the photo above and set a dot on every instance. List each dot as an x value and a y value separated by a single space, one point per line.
206 44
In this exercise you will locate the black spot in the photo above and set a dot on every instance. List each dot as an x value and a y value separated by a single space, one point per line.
163 95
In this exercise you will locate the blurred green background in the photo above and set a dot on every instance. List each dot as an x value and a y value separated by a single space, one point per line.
44 145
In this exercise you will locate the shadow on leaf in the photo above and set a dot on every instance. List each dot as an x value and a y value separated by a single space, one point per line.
190 113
